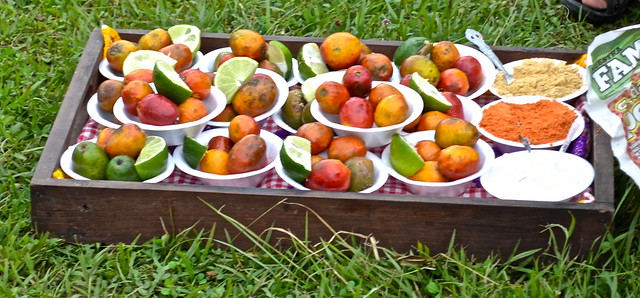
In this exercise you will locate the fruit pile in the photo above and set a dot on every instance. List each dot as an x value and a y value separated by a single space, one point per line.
242 151
125 153
448 157
345 167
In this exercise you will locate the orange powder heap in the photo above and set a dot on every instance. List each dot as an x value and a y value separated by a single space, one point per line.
542 122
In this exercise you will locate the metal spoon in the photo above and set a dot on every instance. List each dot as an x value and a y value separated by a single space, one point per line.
476 38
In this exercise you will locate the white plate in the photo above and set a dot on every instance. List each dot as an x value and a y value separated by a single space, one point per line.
277 118
380 174
283 93
174 134
65 165
395 76
207 64
583 73
99 115
539 175
109 73
249 179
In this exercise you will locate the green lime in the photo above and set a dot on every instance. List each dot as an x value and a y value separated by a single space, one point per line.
169 83
144 59
310 63
89 160
293 108
234 73
153 158
433 99
193 151
280 55
416 45
308 89
404 157
121 168
188 35
295 156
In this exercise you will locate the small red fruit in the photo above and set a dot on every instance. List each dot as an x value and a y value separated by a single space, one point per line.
329 174
472 68
157 109
358 80
456 109
357 112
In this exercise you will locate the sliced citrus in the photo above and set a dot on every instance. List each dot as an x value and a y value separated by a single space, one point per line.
188 35
295 155
169 83
310 63
404 157
433 99
234 73
281 56
109 35
308 89
193 151
144 59
153 158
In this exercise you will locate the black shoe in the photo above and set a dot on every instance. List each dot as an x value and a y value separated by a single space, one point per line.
579 11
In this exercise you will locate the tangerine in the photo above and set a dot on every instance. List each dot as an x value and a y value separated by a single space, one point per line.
133 93
453 80
428 150
429 173
445 54
456 131
345 147
140 74
215 161
118 52
457 161
179 52
242 125
331 96
155 40
318 134
248 43
198 81
381 91
108 93
191 109
430 120
379 65
391 110
341 50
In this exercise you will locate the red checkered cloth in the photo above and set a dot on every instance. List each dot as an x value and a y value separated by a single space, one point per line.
272 180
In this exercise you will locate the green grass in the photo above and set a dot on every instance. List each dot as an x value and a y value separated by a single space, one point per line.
40 44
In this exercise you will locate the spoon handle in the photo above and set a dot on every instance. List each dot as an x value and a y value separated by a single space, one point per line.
476 38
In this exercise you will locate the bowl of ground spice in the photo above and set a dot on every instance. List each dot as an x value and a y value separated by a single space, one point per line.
541 77
544 122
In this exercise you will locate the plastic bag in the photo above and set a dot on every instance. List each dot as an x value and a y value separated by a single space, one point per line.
613 98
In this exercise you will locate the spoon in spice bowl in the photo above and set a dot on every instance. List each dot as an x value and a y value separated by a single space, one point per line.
476 38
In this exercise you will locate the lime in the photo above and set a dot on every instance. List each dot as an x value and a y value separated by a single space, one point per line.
193 151
404 157
169 83
121 168
308 89
234 73
188 35
416 45
89 160
433 99
280 55
144 59
153 158
310 63
295 155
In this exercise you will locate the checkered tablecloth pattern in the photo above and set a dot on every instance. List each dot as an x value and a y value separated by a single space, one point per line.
272 180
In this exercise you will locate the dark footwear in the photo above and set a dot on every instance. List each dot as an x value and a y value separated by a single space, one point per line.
579 11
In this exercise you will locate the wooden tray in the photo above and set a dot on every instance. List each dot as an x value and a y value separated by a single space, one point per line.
111 212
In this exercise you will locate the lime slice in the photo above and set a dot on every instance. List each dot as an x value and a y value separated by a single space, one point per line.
310 63
404 157
169 83
280 55
234 73
433 99
188 35
308 89
193 151
144 59
153 158
295 155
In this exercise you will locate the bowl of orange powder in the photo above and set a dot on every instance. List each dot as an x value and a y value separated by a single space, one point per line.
544 122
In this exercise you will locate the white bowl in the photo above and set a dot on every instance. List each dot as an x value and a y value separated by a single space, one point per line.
249 179
338 74
449 189
65 165
380 174
109 73
375 136
506 146
488 71
206 65
539 175
281 98
99 115
581 70
174 134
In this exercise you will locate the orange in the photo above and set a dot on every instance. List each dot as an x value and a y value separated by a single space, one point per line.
191 109
429 120
133 93
345 147
391 110
428 150
118 51
456 161
155 40
429 173
108 92
248 43
241 126
381 91
331 96
341 50
318 134
456 131
215 161
179 52
379 65
198 81
444 54
127 139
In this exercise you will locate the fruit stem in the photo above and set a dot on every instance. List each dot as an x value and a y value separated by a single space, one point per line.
426 49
